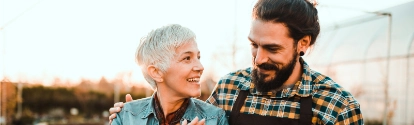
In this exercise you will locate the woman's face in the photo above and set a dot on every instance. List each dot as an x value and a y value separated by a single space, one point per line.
182 78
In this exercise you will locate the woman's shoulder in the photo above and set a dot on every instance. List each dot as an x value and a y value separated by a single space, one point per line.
133 111
212 114
137 104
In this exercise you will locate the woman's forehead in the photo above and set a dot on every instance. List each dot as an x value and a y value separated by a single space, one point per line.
188 48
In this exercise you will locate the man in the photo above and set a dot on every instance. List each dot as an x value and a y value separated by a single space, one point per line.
280 88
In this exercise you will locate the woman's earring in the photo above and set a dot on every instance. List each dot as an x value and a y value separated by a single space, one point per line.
301 53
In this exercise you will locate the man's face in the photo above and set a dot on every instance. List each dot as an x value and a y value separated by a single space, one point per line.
274 54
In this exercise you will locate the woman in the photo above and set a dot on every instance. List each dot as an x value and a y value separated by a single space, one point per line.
170 62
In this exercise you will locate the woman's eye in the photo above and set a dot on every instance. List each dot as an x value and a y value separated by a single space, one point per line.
187 58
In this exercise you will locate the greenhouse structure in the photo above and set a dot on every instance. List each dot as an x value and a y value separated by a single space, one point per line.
372 56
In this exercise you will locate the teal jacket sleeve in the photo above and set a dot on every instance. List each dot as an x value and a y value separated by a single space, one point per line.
222 118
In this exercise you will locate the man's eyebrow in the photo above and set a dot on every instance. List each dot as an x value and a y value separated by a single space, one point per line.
250 39
271 45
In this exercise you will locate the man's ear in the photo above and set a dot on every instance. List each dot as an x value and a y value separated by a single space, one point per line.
304 44
155 73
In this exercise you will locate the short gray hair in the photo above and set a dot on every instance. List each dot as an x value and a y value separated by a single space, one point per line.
158 48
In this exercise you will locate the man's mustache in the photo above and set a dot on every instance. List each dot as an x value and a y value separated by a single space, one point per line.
267 66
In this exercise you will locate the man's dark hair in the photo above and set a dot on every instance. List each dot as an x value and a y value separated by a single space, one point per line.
300 16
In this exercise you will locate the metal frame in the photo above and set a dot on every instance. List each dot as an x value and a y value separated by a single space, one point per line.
408 78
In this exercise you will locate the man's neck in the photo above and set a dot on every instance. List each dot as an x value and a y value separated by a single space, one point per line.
295 76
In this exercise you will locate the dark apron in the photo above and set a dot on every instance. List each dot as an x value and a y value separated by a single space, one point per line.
237 118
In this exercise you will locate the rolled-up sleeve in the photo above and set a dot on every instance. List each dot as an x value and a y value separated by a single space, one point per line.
213 97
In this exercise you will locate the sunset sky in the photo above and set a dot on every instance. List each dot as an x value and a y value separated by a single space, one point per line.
44 39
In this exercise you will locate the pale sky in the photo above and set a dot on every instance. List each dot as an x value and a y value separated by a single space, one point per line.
74 39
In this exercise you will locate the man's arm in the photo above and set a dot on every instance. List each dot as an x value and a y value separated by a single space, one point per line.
117 107
351 115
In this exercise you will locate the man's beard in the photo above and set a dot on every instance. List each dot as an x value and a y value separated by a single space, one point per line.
282 74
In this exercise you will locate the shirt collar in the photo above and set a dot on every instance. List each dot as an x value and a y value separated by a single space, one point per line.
302 88
173 117
189 114
243 77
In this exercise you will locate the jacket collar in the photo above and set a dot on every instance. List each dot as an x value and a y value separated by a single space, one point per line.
193 111
149 108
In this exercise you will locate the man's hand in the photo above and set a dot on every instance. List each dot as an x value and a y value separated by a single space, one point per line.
117 108
195 122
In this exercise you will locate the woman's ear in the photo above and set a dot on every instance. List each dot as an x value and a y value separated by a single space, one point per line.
155 73
303 44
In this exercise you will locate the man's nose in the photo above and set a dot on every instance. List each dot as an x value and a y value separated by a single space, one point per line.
261 57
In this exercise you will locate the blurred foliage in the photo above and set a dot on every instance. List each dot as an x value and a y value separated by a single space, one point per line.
8 99
373 122
53 104
41 99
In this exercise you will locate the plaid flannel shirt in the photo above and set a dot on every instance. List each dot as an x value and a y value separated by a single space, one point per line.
331 103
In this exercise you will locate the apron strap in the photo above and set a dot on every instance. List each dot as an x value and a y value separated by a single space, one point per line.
306 110
235 111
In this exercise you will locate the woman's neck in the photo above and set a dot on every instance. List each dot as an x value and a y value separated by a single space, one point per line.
168 102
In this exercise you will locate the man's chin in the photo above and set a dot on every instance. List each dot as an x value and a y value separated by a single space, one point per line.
265 83
267 86
266 77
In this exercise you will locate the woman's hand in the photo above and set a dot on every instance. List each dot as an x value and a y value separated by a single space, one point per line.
195 122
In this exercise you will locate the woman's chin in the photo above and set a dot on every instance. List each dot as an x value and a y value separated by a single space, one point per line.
195 94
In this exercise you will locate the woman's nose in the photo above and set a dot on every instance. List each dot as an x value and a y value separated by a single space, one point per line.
198 67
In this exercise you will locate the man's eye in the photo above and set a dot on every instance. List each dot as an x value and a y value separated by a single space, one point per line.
187 58
253 45
272 49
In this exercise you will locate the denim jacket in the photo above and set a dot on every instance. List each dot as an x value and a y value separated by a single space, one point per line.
141 112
